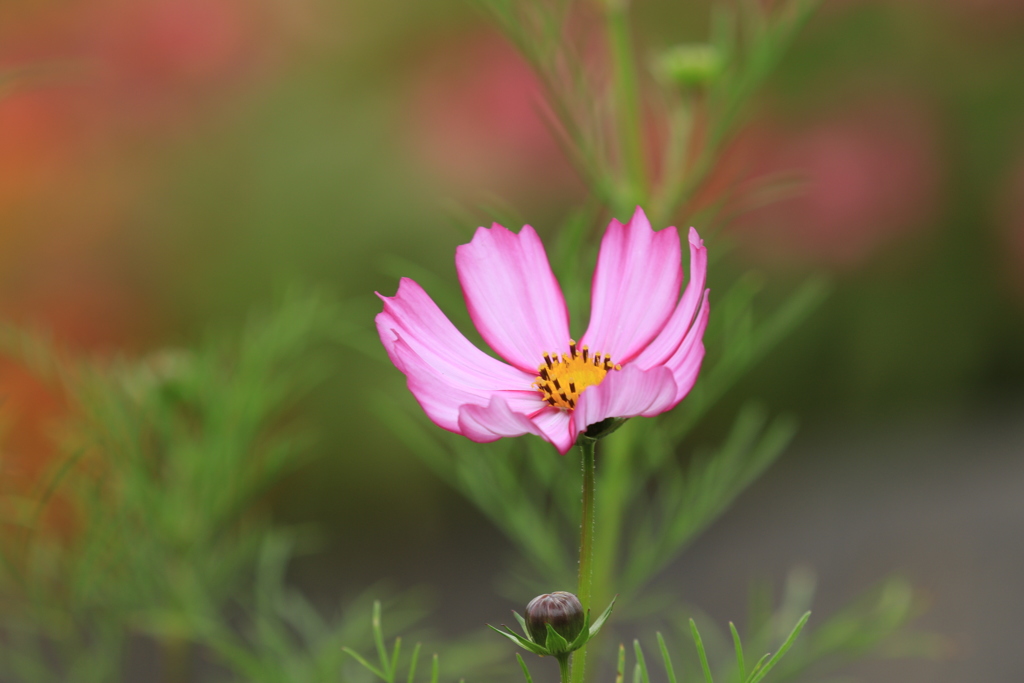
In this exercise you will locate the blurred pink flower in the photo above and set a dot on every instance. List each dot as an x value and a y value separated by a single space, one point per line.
640 355
474 123
1011 219
865 176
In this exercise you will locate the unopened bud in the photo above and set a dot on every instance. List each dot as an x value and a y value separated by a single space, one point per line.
693 65
560 609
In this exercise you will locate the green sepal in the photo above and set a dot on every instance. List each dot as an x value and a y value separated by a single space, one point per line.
522 623
584 635
555 643
520 641
596 626
601 429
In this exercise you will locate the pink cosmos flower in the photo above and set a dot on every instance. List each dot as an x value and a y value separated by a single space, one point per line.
640 355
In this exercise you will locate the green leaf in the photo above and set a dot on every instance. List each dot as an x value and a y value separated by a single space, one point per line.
520 641
522 623
378 639
393 667
669 669
584 634
700 652
522 665
740 663
596 626
782 650
412 663
366 665
641 662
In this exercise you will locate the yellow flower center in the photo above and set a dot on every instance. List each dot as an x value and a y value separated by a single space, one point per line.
561 379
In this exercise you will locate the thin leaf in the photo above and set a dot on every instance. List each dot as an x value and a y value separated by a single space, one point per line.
520 641
522 623
378 639
740 663
700 652
522 665
412 663
596 626
782 650
394 658
366 665
641 662
669 669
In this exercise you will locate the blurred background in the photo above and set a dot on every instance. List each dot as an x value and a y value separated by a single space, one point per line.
167 164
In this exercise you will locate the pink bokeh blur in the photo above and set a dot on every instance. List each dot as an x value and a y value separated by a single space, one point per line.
1010 215
838 184
475 122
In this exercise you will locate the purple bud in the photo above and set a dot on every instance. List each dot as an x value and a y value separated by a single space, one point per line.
560 609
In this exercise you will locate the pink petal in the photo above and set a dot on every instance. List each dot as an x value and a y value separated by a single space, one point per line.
493 421
512 295
442 401
557 426
445 370
627 393
413 315
685 362
636 286
672 335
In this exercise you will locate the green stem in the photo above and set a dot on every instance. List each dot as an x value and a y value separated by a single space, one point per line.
627 98
563 668
586 578
616 483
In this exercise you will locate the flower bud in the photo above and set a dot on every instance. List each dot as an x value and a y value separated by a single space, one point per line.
693 65
560 609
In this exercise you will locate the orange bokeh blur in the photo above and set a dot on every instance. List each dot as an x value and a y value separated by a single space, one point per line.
96 89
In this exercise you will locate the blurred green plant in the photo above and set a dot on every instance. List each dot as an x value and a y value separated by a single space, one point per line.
164 462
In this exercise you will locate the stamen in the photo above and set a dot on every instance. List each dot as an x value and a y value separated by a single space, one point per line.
562 377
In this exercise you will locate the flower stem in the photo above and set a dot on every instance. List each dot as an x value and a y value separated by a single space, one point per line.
586 578
563 668
627 99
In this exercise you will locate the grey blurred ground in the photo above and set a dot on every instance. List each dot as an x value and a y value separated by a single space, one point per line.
942 505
